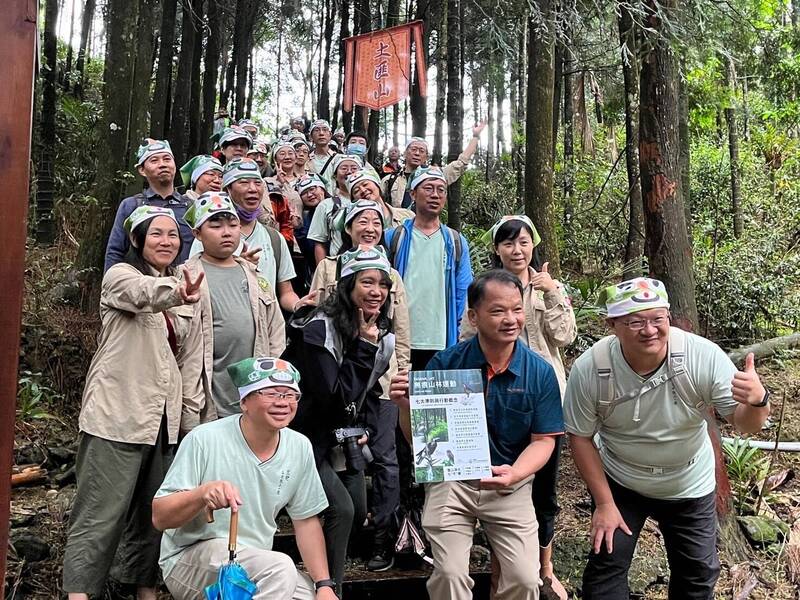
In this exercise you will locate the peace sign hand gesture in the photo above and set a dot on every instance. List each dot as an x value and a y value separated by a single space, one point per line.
368 328
189 289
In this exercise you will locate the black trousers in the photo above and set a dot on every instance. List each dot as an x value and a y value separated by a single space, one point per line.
689 528
381 418
545 499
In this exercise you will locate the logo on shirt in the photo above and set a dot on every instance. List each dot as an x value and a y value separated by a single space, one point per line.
263 284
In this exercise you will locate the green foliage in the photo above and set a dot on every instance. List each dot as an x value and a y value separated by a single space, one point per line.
33 397
439 430
747 467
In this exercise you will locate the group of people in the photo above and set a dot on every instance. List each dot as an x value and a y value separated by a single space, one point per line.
257 335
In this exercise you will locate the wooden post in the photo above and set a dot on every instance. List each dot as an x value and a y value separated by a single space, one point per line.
17 47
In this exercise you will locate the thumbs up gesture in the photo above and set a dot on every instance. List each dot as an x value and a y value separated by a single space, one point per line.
542 280
746 385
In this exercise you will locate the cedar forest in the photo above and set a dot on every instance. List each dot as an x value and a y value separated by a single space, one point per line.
641 136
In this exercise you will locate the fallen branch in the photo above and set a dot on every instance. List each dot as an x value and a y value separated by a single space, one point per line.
29 475
766 348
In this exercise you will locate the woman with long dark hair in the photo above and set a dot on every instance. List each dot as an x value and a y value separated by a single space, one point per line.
362 224
143 390
549 326
341 349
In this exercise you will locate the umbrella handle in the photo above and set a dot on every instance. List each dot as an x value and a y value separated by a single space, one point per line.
233 532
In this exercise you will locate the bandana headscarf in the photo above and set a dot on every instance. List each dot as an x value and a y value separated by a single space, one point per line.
318 123
196 167
284 143
207 206
306 182
144 213
253 374
634 295
489 236
151 147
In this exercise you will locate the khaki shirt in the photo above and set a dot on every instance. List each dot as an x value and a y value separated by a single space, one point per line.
324 282
549 325
134 378
270 327
452 171
397 215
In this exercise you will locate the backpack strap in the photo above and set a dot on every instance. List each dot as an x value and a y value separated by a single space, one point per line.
456 236
397 239
601 356
325 166
277 248
681 382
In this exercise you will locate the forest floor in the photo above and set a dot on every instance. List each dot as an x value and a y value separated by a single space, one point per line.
58 341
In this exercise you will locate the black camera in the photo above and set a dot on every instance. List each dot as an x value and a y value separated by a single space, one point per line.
348 438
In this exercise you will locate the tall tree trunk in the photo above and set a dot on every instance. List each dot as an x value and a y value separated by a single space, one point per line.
278 83
142 76
68 65
45 170
582 115
242 32
362 25
251 82
733 149
490 93
685 150
441 89
539 131
179 121
522 54
160 107
80 62
569 130
629 44
344 32
558 90
118 90
211 69
500 98
667 243
392 19
419 107
324 101
455 108
196 87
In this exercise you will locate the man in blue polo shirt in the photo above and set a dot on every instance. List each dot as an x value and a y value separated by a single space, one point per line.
523 412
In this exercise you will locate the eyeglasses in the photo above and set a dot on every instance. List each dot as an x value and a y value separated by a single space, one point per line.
269 396
639 324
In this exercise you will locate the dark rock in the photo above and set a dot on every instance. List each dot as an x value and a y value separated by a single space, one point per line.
29 454
762 530
66 477
28 546
60 455
479 556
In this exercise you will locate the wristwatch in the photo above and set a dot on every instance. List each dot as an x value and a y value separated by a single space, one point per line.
324 583
764 401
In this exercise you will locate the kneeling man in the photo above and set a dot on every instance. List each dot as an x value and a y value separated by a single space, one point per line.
254 465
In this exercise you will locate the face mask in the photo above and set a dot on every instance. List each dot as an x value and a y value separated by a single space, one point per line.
358 149
248 216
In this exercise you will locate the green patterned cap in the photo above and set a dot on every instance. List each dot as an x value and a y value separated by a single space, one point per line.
240 168
488 237
207 206
362 259
197 166
362 175
151 147
253 374
230 134
351 211
282 143
145 213
634 295
306 182
424 173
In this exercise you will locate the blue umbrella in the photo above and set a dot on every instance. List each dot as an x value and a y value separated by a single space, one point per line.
232 581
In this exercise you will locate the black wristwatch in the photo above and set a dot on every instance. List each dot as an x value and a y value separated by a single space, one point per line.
324 583
764 401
